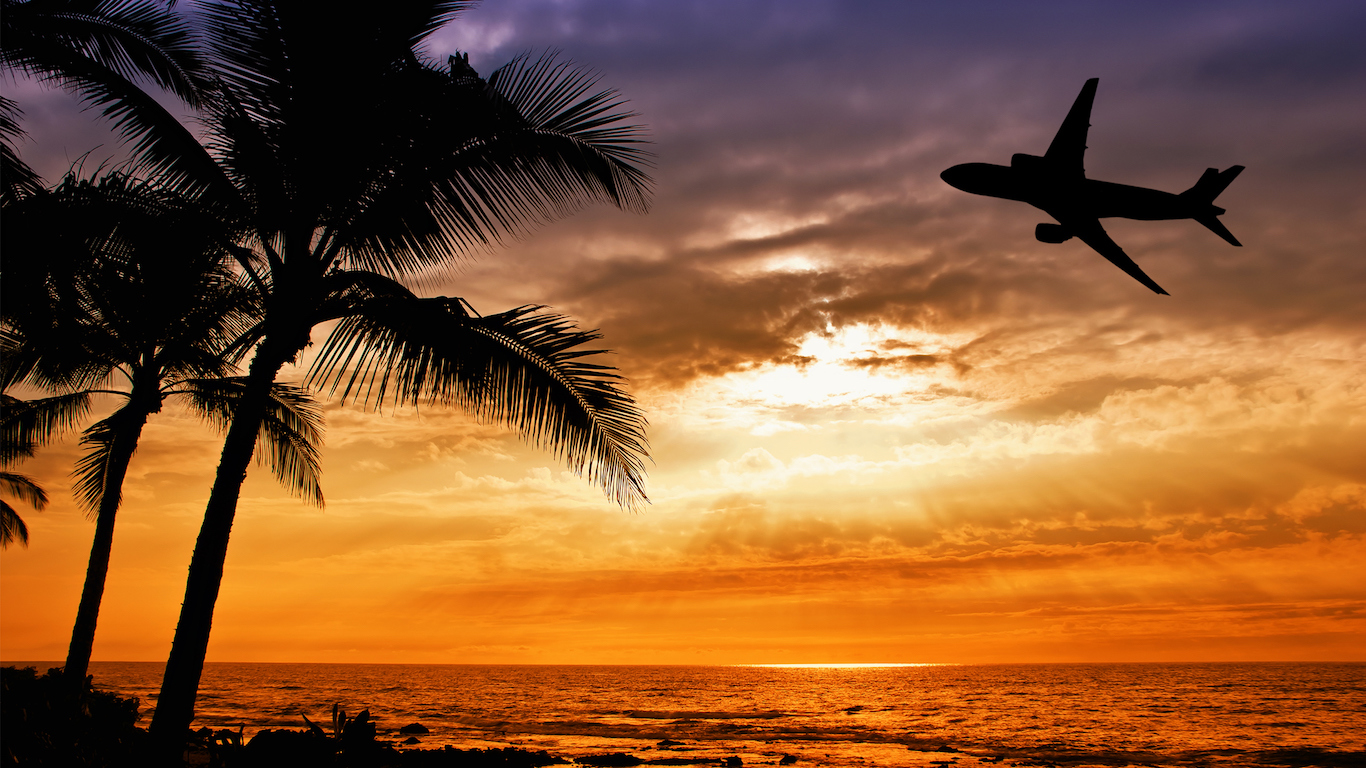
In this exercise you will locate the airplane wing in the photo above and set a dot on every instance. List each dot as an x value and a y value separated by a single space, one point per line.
1069 145
1090 231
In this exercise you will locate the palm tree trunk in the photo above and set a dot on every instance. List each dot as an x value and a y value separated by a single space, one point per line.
83 635
180 685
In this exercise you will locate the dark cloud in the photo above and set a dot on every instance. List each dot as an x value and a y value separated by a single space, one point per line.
1082 396
845 112
828 124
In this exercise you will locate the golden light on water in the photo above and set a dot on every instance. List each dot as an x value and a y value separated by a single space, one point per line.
868 665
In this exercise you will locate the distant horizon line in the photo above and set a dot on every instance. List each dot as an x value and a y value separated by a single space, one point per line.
760 665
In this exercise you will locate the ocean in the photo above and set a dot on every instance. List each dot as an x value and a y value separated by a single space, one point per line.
1232 714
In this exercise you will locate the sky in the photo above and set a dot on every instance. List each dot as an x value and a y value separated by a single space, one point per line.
886 423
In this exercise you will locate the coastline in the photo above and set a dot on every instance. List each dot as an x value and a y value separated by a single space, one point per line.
1023 715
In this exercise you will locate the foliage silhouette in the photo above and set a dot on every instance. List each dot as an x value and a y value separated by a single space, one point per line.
46 725
350 173
347 174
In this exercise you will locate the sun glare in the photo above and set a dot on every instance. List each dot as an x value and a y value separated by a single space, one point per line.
857 365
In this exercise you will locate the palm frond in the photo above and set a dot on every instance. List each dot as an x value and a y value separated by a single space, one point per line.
522 368
419 20
12 526
553 96
92 469
27 424
24 488
133 38
17 179
584 143
291 433
460 162
346 291
99 49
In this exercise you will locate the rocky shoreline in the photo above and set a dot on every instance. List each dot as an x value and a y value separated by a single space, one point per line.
48 723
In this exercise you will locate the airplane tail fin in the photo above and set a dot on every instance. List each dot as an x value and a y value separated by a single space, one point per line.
1210 185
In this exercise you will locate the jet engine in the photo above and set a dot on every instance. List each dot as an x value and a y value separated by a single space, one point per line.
1052 233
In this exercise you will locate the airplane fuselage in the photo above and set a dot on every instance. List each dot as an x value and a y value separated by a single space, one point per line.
1029 179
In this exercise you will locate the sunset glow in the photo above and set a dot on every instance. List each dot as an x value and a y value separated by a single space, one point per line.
889 427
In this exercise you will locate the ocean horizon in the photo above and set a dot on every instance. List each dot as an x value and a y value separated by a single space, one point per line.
891 714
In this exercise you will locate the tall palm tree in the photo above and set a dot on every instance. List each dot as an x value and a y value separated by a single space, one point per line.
357 163
115 279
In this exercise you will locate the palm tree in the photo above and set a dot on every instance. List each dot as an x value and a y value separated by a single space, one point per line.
357 164
135 283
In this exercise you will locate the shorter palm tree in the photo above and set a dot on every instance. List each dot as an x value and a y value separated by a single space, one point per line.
138 285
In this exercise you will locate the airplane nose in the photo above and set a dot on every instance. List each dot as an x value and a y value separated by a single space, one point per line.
956 176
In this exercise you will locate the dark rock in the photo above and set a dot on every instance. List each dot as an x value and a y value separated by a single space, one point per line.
283 748
609 760
853 709
947 748
414 728
411 740
787 760
450 757
666 743
734 762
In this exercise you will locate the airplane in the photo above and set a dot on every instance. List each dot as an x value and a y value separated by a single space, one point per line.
1057 185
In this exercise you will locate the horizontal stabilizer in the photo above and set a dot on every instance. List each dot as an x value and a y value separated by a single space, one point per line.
1212 183
1217 227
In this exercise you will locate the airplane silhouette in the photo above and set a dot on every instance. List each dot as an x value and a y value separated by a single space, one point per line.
1057 185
